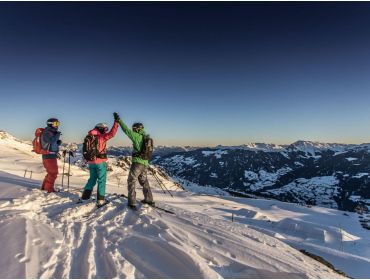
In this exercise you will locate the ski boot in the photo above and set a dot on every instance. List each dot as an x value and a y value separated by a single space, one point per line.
132 207
150 203
101 203
86 194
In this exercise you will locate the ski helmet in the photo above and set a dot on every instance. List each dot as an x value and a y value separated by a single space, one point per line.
52 122
137 127
102 127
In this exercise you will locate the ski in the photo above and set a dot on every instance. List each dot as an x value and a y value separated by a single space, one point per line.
153 206
85 201
98 206
162 209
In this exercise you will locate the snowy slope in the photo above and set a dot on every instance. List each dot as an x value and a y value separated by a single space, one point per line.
49 236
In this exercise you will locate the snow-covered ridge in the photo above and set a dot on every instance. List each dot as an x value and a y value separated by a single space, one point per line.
256 147
308 147
311 147
5 136
49 236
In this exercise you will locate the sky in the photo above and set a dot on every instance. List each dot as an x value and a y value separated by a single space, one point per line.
195 73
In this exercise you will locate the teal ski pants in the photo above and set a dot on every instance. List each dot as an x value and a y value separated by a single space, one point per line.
98 172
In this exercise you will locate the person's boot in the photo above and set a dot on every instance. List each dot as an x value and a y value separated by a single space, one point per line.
86 194
101 202
151 203
132 206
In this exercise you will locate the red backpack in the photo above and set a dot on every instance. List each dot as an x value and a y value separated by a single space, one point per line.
37 147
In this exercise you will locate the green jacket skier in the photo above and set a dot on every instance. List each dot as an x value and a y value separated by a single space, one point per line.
139 167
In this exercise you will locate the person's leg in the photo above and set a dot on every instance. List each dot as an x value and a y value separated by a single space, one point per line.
102 178
131 182
143 180
51 166
46 176
91 182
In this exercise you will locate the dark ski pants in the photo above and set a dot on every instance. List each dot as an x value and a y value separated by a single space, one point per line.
138 172
98 173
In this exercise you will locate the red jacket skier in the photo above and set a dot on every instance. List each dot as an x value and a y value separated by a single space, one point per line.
50 142
98 166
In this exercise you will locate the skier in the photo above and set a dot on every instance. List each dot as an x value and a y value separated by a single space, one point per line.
140 162
50 142
95 153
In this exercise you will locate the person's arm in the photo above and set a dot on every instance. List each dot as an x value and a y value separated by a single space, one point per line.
112 132
134 136
126 130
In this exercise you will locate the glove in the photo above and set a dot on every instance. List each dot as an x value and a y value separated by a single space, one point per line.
116 117
59 142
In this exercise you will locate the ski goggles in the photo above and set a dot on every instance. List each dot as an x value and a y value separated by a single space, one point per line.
55 123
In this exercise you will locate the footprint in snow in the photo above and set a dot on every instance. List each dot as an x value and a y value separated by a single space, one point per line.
230 255
4 204
21 258
37 241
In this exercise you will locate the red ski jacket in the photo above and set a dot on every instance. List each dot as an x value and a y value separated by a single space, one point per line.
102 139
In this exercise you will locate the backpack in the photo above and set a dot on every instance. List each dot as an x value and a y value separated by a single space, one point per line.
146 148
36 143
90 148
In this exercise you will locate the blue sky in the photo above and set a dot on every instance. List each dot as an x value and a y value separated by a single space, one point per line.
194 73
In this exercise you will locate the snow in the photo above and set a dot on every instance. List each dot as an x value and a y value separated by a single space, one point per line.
49 236
185 160
339 153
310 148
351 158
319 189
255 147
355 197
250 175
359 175
218 153
263 178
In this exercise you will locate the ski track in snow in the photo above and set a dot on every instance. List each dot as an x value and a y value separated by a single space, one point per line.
50 236
63 239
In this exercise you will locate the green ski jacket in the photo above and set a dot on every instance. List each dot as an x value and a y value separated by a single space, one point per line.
137 141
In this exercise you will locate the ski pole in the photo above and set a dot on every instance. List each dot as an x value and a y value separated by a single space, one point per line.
69 167
167 190
159 183
64 164
162 185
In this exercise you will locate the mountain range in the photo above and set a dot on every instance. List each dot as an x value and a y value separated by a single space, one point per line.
313 173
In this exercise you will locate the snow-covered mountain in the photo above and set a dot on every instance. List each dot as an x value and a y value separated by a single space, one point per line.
330 175
207 236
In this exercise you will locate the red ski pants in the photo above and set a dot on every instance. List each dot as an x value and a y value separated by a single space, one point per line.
51 167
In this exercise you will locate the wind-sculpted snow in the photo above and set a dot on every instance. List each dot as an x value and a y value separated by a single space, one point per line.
209 236
50 236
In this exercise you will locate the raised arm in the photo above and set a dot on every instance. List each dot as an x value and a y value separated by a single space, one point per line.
134 137
126 130
112 132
